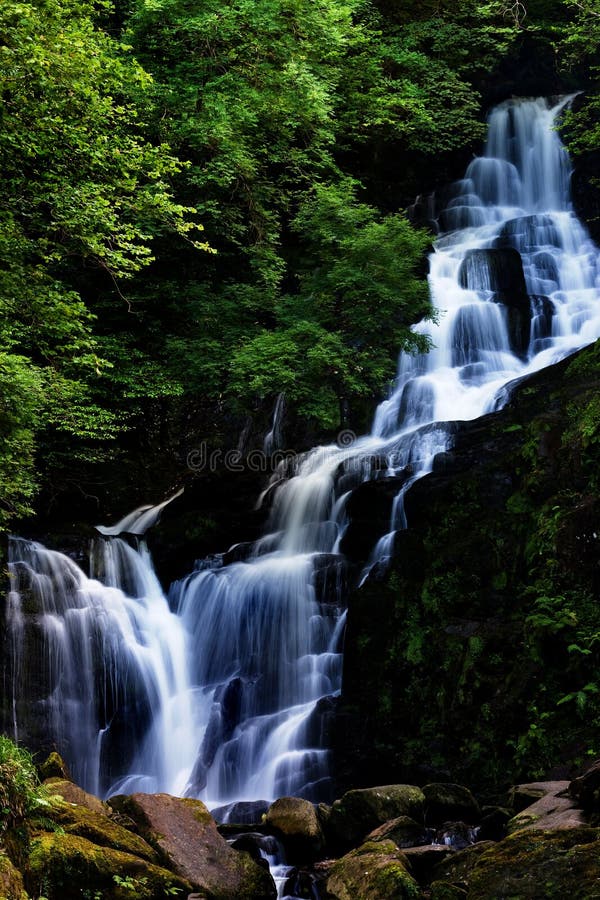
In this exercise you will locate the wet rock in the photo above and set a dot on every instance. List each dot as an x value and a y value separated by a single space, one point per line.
457 835
403 831
360 811
66 866
446 802
244 812
296 823
185 836
374 871
497 270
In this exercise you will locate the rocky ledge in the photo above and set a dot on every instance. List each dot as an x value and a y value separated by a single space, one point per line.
377 843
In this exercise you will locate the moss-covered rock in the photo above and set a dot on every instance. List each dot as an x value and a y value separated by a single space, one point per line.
296 823
11 881
545 865
442 890
101 830
54 766
69 867
72 793
556 809
375 871
360 811
185 836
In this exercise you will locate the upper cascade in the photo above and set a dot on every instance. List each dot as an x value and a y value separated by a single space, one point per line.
248 663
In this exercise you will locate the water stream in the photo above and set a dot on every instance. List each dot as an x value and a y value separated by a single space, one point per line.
222 691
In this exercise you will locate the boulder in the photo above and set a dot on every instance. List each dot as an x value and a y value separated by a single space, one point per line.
296 823
423 860
556 809
545 865
72 793
494 820
98 828
360 811
69 867
243 812
403 831
523 795
443 890
445 802
586 788
54 766
375 871
11 881
185 836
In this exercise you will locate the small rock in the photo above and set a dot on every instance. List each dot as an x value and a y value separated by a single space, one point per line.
54 767
403 831
422 860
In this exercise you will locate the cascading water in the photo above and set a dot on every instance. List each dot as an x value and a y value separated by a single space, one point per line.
223 694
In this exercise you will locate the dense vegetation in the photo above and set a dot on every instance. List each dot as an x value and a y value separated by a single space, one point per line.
203 206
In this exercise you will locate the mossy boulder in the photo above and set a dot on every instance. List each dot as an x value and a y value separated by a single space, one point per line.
458 867
67 867
375 871
360 811
11 881
545 865
72 793
98 828
443 890
185 836
54 766
296 823
446 802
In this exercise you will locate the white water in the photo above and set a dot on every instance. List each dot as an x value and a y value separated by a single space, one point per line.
218 698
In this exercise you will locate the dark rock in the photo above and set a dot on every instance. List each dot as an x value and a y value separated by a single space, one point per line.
493 824
243 812
497 270
360 811
446 802
296 823
403 831
423 860
586 788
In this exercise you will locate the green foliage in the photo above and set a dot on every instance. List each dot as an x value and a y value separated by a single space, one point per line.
21 794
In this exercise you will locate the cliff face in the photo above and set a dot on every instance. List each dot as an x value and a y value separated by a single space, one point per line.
477 656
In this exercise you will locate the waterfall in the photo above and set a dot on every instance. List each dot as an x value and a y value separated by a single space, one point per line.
224 691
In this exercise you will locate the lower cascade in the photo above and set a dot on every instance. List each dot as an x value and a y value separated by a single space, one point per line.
222 690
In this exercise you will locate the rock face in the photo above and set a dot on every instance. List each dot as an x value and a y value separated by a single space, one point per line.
515 499
296 823
360 811
374 871
186 838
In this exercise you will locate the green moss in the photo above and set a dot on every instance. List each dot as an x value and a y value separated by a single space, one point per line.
65 866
